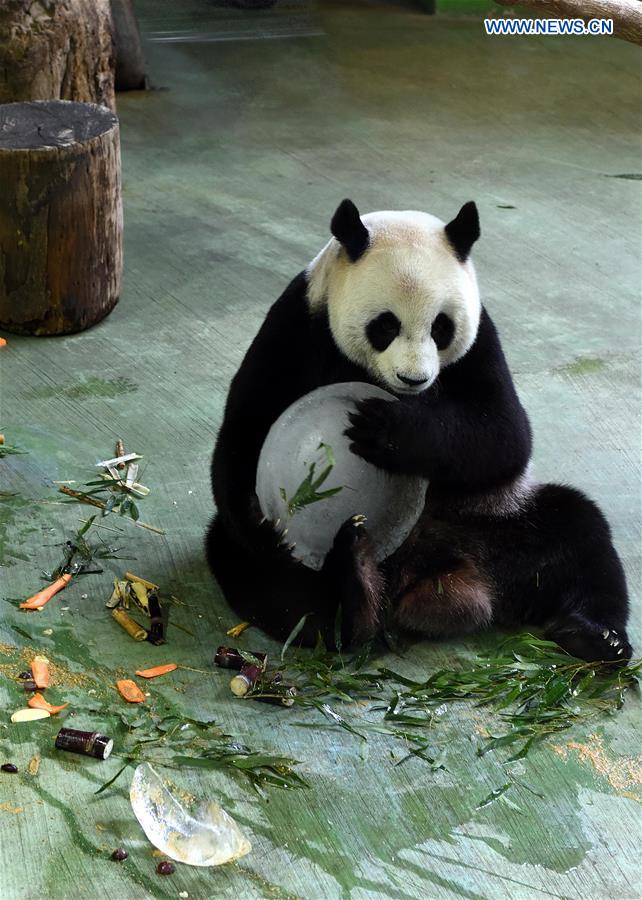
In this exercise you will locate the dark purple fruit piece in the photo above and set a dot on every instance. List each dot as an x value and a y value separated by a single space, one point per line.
29 686
9 767
165 868
119 854
25 676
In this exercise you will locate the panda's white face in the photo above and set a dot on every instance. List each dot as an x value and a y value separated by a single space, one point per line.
406 307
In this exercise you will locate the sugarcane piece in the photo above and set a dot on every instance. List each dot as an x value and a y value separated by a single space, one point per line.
243 683
157 618
279 695
274 691
230 658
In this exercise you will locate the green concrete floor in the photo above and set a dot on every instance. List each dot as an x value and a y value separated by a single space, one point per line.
231 173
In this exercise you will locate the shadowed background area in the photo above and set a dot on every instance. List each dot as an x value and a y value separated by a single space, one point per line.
258 124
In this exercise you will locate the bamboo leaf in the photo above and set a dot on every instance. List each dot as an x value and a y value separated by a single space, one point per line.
298 628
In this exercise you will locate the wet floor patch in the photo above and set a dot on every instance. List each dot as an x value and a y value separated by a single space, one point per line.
89 389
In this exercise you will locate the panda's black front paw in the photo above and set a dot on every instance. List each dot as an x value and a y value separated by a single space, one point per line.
269 538
377 433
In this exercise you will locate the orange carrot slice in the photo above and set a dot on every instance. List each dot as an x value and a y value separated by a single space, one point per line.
130 691
37 701
3 342
155 671
44 596
40 671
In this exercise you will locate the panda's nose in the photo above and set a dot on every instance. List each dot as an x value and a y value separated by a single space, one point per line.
413 382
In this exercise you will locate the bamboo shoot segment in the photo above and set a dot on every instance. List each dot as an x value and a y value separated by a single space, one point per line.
191 831
29 715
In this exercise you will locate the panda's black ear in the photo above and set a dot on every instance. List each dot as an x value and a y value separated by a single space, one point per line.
464 230
349 230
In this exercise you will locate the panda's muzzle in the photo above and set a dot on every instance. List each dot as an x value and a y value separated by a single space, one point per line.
412 382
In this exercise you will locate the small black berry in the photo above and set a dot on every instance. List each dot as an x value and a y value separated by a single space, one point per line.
119 854
165 868
25 676
9 767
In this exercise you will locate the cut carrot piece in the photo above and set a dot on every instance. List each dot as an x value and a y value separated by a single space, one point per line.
37 701
155 671
130 691
3 342
44 596
40 671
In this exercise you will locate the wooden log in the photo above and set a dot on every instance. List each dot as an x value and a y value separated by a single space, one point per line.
128 48
56 49
626 14
60 216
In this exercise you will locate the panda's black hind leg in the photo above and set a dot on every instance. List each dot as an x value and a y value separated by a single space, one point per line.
350 567
579 594
590 640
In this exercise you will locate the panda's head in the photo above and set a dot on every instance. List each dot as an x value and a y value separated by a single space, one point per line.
400 292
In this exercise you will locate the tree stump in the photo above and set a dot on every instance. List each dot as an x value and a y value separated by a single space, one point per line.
60 216
56 50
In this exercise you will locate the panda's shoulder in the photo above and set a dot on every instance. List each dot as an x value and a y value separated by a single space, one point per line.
484 360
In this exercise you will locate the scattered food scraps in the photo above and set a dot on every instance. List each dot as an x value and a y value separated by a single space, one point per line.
251 682
237 630
242 683
89 743
40 670
119 855
130 691
3 342
165 868
34 765
136 578
130 625
275 692
39 702
231 658
155 671
29 715
145 596
118 486
42 597
196 832
10 768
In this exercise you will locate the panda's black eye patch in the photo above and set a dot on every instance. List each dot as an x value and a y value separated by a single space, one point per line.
442 331
382 331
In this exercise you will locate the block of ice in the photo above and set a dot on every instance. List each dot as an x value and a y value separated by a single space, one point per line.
391 503
199 833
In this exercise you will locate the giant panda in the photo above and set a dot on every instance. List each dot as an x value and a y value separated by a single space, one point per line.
392 299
